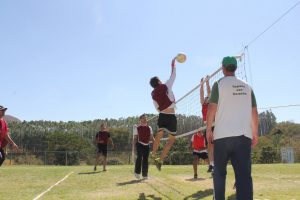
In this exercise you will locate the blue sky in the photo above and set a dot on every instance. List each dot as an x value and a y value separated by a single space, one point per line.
87 59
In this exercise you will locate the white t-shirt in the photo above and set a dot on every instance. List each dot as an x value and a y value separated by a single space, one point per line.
234 108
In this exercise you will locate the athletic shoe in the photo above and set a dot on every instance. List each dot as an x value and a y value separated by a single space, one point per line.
210 169
158 163
195 176
104 170
153 156
95 168
137 176
145 177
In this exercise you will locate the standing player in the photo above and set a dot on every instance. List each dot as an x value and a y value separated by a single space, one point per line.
4 136
198 145
232 105
102 139
142 136
164 101
204 103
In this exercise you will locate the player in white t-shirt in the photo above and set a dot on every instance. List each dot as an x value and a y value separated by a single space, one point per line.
232 106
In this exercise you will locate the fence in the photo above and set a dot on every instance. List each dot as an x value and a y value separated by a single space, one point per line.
264 155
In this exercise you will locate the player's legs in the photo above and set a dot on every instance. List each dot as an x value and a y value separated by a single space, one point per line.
241 163
104 157
158 136
138 162
223 148
195 164
2 156
167 147
104 162
97 160
210 156
145 165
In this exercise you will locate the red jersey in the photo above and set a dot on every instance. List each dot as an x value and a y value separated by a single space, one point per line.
144 134
102 137
198 142
204 111
160 96
3 132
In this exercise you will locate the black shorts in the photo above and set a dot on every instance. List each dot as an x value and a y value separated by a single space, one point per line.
102 148
167 123
202 155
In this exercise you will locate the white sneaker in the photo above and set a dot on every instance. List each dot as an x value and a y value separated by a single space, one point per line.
137 176
145 177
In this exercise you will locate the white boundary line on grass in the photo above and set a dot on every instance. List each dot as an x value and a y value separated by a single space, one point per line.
40 195
286 180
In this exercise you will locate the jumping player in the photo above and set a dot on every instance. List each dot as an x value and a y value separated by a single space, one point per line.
142 136
164 101
102 139
204 103
198 145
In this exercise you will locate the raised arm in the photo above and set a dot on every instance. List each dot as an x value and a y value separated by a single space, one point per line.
171 80
201 92
207 86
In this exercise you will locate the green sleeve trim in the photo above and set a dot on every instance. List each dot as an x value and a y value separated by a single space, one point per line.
214 96
253 99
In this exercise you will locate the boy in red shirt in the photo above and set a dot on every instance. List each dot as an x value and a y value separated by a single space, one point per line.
142 136
102 138
198 145
4 136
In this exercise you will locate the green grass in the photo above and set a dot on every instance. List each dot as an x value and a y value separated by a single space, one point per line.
276 181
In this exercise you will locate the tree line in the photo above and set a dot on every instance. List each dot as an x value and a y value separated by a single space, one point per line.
72 142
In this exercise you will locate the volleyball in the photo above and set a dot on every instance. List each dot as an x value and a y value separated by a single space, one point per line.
181 57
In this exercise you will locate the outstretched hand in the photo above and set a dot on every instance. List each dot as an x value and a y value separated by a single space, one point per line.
254 140
207 78
15 147
173 62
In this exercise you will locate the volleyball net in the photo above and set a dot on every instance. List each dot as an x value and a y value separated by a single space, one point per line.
189 107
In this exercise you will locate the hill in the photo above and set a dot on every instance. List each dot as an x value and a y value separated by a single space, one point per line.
10 118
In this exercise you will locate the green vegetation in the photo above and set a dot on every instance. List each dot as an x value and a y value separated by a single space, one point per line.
71 143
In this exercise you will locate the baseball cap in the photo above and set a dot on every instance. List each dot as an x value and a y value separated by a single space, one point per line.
229 61
3 108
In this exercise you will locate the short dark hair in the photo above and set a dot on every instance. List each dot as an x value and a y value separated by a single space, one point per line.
143 115
154 81
231 67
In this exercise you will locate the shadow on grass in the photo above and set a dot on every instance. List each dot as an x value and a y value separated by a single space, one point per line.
144 197
129 182
200 194
195 179
81 173
232 197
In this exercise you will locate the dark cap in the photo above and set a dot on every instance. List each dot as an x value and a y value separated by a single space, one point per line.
229 62
3 108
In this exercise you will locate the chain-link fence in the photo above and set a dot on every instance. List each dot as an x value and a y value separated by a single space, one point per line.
264 155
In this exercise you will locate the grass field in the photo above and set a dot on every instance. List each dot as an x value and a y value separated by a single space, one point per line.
276 181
